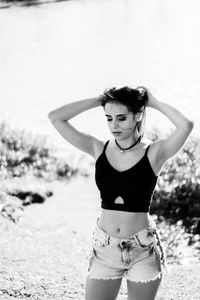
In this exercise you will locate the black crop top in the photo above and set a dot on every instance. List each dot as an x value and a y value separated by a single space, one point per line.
130 190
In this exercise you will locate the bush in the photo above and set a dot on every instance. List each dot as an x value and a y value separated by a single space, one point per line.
177 195
22 153
174 238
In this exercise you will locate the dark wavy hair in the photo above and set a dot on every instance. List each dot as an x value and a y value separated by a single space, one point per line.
135 99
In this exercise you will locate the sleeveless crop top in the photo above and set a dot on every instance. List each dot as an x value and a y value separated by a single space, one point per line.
130 190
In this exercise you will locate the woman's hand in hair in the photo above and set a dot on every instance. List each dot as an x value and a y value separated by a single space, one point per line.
99 99
152 100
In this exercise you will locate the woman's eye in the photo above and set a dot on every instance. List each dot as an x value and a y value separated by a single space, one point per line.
122 119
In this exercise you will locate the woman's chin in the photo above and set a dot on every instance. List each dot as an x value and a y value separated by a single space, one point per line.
116 135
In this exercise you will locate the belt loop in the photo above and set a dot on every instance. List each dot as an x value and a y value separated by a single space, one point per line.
137 241
107 240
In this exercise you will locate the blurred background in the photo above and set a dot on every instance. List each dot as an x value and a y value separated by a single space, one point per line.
53 52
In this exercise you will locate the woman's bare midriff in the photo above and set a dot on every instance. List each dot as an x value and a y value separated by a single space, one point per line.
122 224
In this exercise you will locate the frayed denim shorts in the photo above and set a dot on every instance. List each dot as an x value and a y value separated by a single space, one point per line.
139 258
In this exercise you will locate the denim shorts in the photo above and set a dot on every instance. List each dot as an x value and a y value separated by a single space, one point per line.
139 258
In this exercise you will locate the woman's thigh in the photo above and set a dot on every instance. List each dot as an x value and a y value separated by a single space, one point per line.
143 290
101 289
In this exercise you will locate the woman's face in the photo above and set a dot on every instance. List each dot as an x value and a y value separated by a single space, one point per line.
121 121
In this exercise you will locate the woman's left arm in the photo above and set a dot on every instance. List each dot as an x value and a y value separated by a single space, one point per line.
169 146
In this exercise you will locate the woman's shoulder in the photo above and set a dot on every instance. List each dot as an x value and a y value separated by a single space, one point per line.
153 156
146 142
152 145
99 147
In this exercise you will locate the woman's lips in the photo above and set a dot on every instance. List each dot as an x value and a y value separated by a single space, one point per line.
116 133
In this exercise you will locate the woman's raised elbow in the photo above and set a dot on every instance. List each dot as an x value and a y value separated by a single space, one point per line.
189 125
51 116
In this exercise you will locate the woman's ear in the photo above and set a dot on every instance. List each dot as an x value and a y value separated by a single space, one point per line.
138 117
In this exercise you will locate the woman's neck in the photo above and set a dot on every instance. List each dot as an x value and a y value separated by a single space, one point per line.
126 143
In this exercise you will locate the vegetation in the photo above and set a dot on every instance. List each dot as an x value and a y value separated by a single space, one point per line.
177 196
22 153
176 200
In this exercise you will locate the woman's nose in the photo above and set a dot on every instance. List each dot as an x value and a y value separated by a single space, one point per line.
115 124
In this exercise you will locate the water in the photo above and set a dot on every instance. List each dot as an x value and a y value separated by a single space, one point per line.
54 54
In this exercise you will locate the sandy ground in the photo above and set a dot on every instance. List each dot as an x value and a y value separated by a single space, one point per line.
44 255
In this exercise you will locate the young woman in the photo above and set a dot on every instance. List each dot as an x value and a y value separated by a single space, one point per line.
125 239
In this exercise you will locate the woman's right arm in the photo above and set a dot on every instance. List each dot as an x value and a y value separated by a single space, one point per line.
60 120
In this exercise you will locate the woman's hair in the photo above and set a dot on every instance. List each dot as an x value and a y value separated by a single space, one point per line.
134 99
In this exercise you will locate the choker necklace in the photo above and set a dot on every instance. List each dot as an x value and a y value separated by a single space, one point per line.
124 149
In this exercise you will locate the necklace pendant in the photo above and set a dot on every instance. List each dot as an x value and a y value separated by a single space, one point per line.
121 151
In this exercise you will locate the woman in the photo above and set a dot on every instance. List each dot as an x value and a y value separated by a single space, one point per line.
125 239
